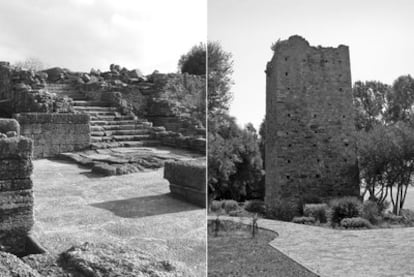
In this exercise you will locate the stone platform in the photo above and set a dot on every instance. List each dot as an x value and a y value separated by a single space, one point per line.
119 161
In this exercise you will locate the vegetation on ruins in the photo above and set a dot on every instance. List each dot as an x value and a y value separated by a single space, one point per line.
194 62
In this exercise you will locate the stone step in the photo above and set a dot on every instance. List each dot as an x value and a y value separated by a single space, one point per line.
95 108
117 127
113 144
120 138
112 117
120 132
95 122
90 103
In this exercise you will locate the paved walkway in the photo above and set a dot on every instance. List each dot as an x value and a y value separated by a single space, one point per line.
334 253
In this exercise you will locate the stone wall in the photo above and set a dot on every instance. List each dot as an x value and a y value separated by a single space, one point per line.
16 194
187 180
310 136
55 133
24 91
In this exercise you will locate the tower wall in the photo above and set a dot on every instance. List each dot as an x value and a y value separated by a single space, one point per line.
310 136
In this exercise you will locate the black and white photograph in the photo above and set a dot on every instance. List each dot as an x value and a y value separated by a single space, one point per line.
206 138
310 138
102 138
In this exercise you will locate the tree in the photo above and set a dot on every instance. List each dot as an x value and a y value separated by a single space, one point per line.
386 159
31 64
401 99
262 140
194 62
219 80
370 103
235 165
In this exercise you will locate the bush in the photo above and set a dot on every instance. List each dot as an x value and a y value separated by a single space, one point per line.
303 220
255 206
317 211
283 211
408 216
230 205
371 211
355 223
216 206
393 219
345 207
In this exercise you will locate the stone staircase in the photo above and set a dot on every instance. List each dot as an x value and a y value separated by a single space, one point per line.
109 128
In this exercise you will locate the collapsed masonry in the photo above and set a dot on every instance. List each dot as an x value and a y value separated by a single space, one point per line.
16 195
310 136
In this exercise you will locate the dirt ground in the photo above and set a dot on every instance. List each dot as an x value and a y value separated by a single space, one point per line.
73 206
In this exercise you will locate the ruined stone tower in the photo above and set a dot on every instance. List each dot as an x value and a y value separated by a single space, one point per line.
310 136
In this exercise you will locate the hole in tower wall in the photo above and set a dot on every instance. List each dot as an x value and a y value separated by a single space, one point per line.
317 160
289 145
340 89
288 161
317 176
314 116
286 58
345 159
287 177
346 144
343 116
288 114
286 73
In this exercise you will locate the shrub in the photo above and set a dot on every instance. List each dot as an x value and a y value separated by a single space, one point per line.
371 211
345 207
230 205
355 223
383 206
393 219
317 211
408 216
216 206
282 211
255 206
303 220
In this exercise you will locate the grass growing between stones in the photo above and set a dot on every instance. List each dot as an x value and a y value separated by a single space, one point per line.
233 252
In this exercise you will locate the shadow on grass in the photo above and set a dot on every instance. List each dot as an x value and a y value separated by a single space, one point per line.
146 206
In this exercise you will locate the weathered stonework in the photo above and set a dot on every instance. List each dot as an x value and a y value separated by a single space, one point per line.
187 180
16 195
55 133
310 136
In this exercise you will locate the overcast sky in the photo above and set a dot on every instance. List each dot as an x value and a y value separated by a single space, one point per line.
379 34
81 34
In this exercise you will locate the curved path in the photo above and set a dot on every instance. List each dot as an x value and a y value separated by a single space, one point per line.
340 253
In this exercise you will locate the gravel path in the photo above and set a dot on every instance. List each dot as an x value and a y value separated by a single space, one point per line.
340 253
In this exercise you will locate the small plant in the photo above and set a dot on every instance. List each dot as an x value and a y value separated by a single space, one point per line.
230 205
217 224
371 211
255 206
255 227
355 223
304 220
345 207
408 216
317 211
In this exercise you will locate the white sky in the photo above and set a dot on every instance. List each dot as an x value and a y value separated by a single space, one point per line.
81 34
379 34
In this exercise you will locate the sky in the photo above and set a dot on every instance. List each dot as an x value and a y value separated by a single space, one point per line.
84 34
379 35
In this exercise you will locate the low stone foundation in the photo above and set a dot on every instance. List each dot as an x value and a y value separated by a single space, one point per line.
16 195
187 180
55 133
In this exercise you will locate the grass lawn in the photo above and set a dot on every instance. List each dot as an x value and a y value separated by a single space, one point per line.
235 253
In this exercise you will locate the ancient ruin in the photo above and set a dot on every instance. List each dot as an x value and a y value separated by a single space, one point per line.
16 194
310 136
115 122
65 111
